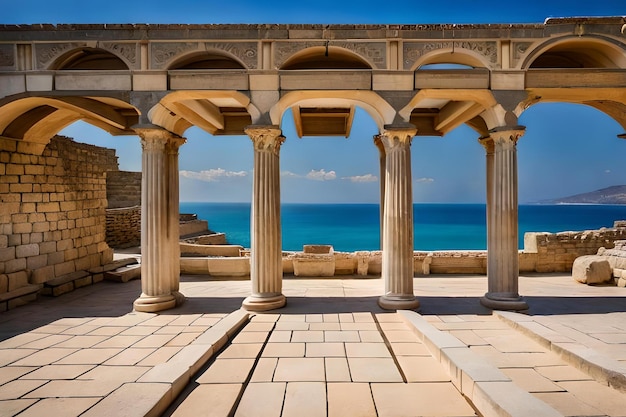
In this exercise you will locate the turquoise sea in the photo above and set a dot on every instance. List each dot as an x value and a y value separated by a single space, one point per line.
352 227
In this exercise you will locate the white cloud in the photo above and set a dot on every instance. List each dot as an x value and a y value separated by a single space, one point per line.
321 175
212 175
289 174
362 178
424 180
607 171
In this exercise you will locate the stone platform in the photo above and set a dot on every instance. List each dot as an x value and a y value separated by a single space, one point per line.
330 351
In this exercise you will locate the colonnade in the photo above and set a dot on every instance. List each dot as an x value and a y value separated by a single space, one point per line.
160 220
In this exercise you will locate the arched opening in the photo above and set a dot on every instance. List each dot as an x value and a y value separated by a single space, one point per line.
206 60
325 57
89 59
578 53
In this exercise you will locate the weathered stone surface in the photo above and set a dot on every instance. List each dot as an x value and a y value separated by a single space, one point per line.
591 269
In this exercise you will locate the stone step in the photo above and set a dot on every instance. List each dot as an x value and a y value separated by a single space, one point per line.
66 283
124 273
18 297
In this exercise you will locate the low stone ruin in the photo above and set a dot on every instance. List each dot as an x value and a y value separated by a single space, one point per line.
607 266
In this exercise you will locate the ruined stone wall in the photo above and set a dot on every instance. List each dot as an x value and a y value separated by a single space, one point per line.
52 216
123 189
555 252
123 227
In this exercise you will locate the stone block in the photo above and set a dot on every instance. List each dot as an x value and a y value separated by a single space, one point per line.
25 251
4 283
41 275
591 269
124 274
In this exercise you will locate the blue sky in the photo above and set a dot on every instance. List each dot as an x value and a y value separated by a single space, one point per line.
567 149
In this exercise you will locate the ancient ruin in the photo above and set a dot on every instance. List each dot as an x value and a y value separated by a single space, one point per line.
155 81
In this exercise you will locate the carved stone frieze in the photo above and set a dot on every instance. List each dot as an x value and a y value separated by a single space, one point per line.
246 52
46 53
373 52
414 50
519 50
126 51
164 52
7 55
283 50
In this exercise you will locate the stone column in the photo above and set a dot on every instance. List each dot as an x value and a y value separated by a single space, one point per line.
397 262
158 277
266 268
174 214
383 168
502 224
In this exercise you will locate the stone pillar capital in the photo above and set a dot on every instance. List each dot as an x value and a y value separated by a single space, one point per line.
265 138
487 143
155 138
507 135
395 137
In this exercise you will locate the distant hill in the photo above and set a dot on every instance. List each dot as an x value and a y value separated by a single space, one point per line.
610 195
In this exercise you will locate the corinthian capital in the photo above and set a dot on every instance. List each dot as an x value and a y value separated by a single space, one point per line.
265 138
394 137
507 135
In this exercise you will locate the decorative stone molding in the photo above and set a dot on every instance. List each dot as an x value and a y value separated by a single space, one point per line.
412 51
246 52
7 56
162 53
127 52
284 50
374 52
519 50
47 53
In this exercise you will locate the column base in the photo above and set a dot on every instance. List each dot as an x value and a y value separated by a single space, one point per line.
496 302
178 297
152 304
261 303
398 303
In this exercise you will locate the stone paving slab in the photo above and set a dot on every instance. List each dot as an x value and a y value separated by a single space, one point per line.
570 314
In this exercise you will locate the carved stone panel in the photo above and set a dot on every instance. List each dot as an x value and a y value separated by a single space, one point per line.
47 53
414 50
7 56
373 52
128 52
163 53
284 50
519 50
246 52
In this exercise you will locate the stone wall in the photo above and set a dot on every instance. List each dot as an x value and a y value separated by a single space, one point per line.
123 227
555 252
52 216
123 189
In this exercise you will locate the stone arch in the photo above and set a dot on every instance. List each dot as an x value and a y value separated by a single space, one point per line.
611 101
37 119
199 60
89 58
453 55
381 112
577 52
325 57
218 112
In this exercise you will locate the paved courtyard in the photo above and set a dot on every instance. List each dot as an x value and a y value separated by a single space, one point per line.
330 352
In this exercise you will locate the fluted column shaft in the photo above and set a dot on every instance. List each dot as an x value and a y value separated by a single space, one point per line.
173 210
502 221
159 221
266 269
383 168
397 262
